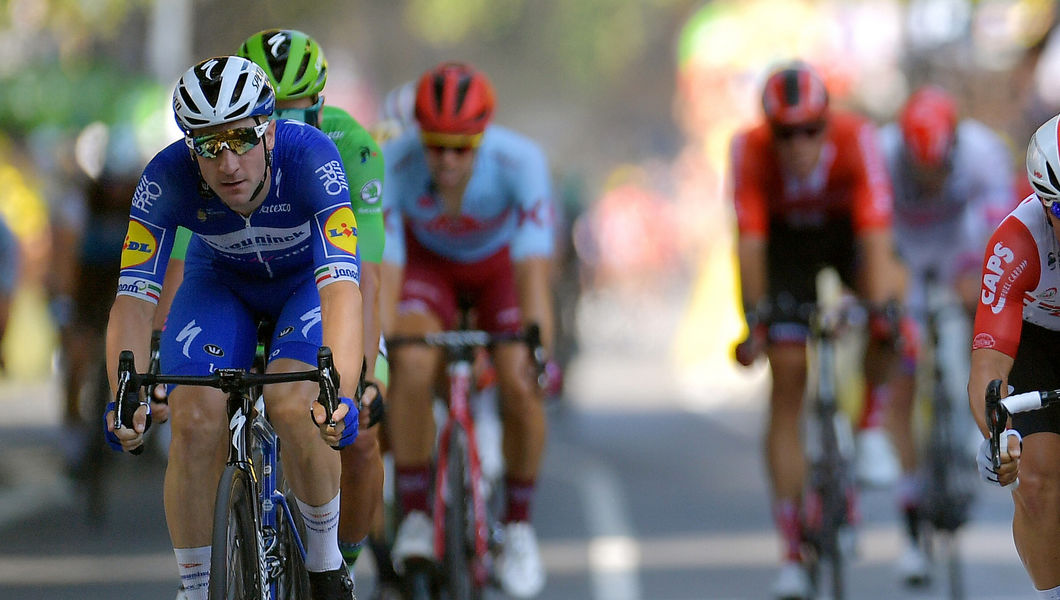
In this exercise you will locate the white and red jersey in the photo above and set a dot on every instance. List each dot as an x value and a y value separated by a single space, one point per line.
943 231
850 180
1020 279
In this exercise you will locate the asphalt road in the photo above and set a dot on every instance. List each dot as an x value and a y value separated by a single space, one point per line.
651 490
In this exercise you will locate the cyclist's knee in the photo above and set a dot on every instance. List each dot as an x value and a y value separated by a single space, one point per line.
198 426
1038 495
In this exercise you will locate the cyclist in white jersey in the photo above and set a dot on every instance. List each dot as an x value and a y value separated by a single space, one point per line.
1016 334
952 184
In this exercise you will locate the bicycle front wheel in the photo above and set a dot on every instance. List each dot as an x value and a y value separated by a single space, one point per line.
293 581
459 528
235 566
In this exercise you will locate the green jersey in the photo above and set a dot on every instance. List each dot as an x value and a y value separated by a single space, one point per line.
363 163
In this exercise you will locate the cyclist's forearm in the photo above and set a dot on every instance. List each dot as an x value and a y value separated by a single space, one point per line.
751 256
174 276
129 328
986 365
390 276
340 320
535 295
370 309
881 275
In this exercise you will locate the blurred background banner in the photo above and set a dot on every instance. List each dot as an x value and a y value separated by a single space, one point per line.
635 102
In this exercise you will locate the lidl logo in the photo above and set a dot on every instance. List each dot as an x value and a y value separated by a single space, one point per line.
140 245
340 230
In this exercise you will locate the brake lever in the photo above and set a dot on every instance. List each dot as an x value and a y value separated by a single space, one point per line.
996 420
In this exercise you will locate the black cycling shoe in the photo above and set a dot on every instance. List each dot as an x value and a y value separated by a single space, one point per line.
331 585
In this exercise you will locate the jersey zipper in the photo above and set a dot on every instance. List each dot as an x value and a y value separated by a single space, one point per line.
257 250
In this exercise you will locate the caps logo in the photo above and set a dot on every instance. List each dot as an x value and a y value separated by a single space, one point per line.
340 230
139 247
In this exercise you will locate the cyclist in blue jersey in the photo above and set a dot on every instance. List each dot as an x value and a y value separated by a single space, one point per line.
468 215
297 69
275 239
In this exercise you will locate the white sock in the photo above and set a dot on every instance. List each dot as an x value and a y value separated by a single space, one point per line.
1053 594
193 564
321 536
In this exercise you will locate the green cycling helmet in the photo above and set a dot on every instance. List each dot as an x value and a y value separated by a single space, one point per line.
293 61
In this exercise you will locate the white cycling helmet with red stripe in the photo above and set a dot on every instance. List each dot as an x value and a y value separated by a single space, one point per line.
1043 164
795 95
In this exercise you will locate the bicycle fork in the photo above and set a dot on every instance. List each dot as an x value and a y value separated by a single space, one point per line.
460 413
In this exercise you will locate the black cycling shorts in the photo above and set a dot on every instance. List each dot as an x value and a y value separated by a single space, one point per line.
1036 368
794 257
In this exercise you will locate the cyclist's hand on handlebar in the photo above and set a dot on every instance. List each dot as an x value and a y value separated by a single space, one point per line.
752 346
126 438
346 417
373 407
1010 459
160 404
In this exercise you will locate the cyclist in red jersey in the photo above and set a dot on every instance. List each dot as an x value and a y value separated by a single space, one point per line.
1017 331
810 190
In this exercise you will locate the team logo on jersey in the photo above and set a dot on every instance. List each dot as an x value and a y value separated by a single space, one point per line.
213 350
984 340
339 231
134 286
140 245
145 195
372 191
333 178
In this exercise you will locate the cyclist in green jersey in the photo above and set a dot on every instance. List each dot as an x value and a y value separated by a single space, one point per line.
297 69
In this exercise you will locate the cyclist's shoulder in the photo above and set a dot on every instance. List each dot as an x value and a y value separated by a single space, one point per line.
507 144
1026 226
341 126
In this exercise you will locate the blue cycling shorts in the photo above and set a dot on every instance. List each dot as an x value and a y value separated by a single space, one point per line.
213 321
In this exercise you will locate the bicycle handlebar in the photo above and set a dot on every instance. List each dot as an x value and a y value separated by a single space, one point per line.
227 380
998 411
462 339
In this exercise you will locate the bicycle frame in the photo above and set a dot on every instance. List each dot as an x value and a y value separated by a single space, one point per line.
459 372
236 383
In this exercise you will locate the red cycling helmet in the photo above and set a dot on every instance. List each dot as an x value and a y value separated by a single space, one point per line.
795 95
929 125
454 103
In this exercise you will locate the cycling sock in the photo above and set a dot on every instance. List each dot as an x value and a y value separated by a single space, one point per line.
1051 594
413 486
383 561
909 502
786 516
193 564
350 551
520 493
321 536
876 398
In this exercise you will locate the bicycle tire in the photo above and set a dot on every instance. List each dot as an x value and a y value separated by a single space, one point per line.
293 580
235 565
459 534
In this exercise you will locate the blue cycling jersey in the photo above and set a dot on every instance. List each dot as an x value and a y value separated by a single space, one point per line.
508 201
9 259
305 222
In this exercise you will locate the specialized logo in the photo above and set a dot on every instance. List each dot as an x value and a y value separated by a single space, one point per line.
145 195
213 350
334 178
187 335
139 287
340 230
275 42
372 192
310 318
139 247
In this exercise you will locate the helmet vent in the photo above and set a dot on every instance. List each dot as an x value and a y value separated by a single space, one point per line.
791 88
461 91
1052 178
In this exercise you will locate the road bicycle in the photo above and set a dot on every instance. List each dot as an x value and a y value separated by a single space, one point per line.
257 544
463 525
830 488
948 469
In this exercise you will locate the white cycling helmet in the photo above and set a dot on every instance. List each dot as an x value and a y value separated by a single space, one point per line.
221 90
1043 164
399 105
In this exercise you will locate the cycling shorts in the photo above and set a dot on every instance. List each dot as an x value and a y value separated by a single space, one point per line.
1036 368
433 284
794 257
214 321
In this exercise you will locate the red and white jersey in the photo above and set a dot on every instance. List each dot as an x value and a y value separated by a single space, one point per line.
850 180
1020 279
